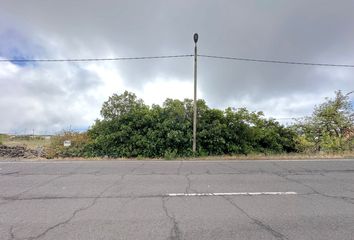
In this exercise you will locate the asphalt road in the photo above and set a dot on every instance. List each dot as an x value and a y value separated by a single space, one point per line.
177 200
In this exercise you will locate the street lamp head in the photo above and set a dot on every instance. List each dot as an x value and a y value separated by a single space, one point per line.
195 37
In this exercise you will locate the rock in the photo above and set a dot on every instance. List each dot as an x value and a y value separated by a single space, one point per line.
20 152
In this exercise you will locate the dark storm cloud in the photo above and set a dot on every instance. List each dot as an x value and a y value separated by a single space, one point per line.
312 31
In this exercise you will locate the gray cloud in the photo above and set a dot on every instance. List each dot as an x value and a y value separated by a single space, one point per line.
313 31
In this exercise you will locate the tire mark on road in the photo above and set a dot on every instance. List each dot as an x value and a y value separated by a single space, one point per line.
9 173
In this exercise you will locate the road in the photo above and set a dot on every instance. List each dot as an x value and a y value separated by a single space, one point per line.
177 200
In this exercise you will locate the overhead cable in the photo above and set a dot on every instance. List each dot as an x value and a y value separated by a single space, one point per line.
95 59
277 61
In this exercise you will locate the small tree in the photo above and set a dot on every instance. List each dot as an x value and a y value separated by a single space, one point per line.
118 105
329 124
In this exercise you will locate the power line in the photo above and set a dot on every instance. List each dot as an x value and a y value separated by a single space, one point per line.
278 62
96 59
178 56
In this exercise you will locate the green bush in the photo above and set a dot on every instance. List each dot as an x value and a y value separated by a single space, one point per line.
132 129
170 154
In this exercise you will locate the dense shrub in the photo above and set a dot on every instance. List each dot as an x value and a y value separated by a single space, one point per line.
130 128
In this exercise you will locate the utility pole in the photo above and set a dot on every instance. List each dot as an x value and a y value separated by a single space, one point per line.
195 38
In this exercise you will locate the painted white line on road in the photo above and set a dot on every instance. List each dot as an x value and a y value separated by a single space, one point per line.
229 194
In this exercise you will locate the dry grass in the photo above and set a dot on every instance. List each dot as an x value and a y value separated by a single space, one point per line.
28 141
255 157
289 156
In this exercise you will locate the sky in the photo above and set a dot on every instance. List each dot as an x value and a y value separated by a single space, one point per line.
48 97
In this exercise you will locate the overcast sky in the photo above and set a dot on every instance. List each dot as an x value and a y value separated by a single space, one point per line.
49 97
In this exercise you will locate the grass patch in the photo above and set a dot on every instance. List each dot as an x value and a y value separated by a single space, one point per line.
1 138
170 154
31 142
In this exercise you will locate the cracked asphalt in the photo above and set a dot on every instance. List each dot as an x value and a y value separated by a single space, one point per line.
129 200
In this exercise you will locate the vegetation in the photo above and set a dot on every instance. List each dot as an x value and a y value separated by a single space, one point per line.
1 138
329 129
130 128
31 142
78 148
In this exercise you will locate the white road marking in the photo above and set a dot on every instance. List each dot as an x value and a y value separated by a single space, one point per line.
229 194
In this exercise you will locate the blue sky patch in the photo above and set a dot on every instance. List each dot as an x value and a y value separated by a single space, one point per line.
14 45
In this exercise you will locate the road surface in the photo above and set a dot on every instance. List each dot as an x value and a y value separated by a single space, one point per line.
177 200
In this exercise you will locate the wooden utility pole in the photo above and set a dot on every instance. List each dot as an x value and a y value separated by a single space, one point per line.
195 38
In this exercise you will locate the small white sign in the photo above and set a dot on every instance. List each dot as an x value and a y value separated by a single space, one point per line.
67 143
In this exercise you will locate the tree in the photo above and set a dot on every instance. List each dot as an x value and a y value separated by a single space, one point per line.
329 124
118 105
